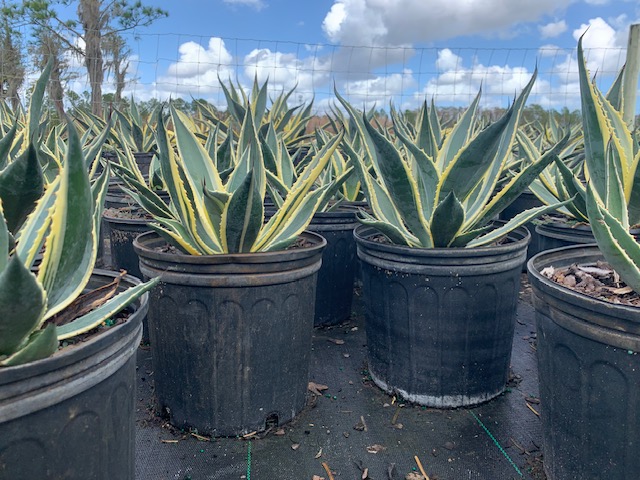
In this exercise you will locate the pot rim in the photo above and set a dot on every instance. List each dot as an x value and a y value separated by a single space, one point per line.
140 244
567 256
362 237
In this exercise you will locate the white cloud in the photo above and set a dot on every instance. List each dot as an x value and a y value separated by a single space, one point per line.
459 83
605 48
379 90
286 71
597 2
553 29
197 70
257 4
396 22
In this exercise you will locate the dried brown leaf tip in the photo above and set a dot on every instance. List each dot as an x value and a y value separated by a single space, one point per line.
316 388
375 448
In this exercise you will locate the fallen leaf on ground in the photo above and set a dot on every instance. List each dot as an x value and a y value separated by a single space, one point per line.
316 388
414 476
279 432
365 474
295 446
337 341
319 454
316 477
375 448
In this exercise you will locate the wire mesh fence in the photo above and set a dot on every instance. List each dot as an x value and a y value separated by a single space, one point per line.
187 66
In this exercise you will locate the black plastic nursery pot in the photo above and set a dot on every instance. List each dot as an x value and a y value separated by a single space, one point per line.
72 415
231 334
589 373
558 234
440 321
525 201
563 234
122 232
334 292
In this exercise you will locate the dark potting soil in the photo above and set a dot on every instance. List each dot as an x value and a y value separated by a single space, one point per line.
597 280
300 242
129 213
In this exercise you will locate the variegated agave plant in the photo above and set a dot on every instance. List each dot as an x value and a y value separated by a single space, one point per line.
612 193
208 215
432 189
59 220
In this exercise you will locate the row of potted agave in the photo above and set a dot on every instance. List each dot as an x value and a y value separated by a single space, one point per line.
66 393
438 272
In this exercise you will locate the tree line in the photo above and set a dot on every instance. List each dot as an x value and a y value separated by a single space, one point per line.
89 30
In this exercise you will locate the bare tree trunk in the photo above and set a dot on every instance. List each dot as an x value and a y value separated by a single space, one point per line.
92 22
11 67
56 92
120 75
117 53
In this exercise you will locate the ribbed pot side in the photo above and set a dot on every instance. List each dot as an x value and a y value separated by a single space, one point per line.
231 334
72 415
589 372
440 322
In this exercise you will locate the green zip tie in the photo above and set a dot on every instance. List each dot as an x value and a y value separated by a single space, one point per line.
506 455
249 460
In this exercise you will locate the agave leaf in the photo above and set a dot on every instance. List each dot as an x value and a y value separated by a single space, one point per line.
435 123
446 221
199 166
570 186
200 227
620 249
31 236
615 95
615 202
491 171
634 198
293 223
94 149
235 108
597 127
21 185
296 198
215 203
41 344
426 138
472 161
258 100
177 235
459 136
389 230
6 143
334 187
428 177
182 196
250 155
22 304
105 311
519 184
401 185
377 196
517 221
71 247
35 104
242 217
4 241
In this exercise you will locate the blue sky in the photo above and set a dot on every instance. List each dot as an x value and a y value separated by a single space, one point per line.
381 50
